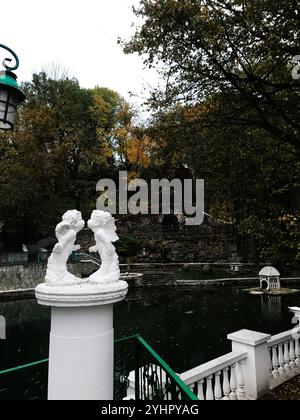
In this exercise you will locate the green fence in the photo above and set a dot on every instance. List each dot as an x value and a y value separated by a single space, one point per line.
140 374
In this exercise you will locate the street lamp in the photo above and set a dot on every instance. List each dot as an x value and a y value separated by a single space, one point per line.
10 93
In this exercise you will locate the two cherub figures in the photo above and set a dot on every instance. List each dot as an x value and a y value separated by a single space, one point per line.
104 228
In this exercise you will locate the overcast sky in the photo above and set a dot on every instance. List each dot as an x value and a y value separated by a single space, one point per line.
79 35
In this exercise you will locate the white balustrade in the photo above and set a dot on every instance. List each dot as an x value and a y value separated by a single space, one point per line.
297 351
243 373
285 360
219 379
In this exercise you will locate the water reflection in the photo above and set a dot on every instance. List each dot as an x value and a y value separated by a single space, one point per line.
186 327
271 308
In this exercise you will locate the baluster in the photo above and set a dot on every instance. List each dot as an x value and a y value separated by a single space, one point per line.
275 362
270 362
281 369
142 382
218 390
180 394
233 383
241 381
200 390
168 387
209 388
192 387
297 350
226 385
162 386
292 355
156 383
287 357
150 381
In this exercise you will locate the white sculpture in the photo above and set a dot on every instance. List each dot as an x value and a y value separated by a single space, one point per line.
57 273
104 228
103 225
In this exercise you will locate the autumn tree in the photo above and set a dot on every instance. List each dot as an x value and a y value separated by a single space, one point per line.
249 183
230 109
226 48
57 153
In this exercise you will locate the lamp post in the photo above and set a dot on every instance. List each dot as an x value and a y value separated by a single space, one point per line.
10 93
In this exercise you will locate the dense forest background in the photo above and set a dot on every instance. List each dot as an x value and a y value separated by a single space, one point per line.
228 109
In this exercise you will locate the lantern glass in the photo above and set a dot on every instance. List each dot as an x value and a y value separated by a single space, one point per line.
8 108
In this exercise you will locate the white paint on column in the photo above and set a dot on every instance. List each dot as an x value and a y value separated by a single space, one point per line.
81 353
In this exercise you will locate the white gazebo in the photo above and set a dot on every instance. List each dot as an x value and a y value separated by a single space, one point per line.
269 278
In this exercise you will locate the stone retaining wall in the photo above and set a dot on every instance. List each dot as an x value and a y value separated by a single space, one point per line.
28 276
209 242
21 276
22 279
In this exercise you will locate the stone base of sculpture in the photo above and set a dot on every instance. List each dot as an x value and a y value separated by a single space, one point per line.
81 356
84 294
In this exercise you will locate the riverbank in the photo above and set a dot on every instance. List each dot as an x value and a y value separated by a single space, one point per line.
136 281
28 276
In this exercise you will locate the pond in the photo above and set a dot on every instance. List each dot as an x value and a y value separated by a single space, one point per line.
186 327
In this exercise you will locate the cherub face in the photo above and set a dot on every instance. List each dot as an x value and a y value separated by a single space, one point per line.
99 218
74 218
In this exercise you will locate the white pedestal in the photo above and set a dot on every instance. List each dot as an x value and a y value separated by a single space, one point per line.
81 339
296 311
256 366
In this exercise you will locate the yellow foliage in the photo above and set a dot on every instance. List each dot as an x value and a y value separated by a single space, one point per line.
137 151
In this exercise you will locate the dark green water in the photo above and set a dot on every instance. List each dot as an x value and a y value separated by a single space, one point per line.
186 327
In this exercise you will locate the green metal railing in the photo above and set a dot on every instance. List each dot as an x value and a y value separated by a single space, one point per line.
140 373
25 382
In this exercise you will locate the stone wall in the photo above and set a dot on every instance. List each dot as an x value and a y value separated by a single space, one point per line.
14 277
209 242
20 277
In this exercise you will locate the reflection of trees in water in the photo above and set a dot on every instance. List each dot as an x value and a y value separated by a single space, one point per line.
271 307
27 333
27 384
186 327
23 310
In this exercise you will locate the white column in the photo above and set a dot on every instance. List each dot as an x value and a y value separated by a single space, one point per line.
256 366
81 351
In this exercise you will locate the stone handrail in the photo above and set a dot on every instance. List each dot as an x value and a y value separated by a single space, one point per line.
211 367
220 379
284 336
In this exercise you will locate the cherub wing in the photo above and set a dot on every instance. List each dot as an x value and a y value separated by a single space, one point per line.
110 231
111 235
